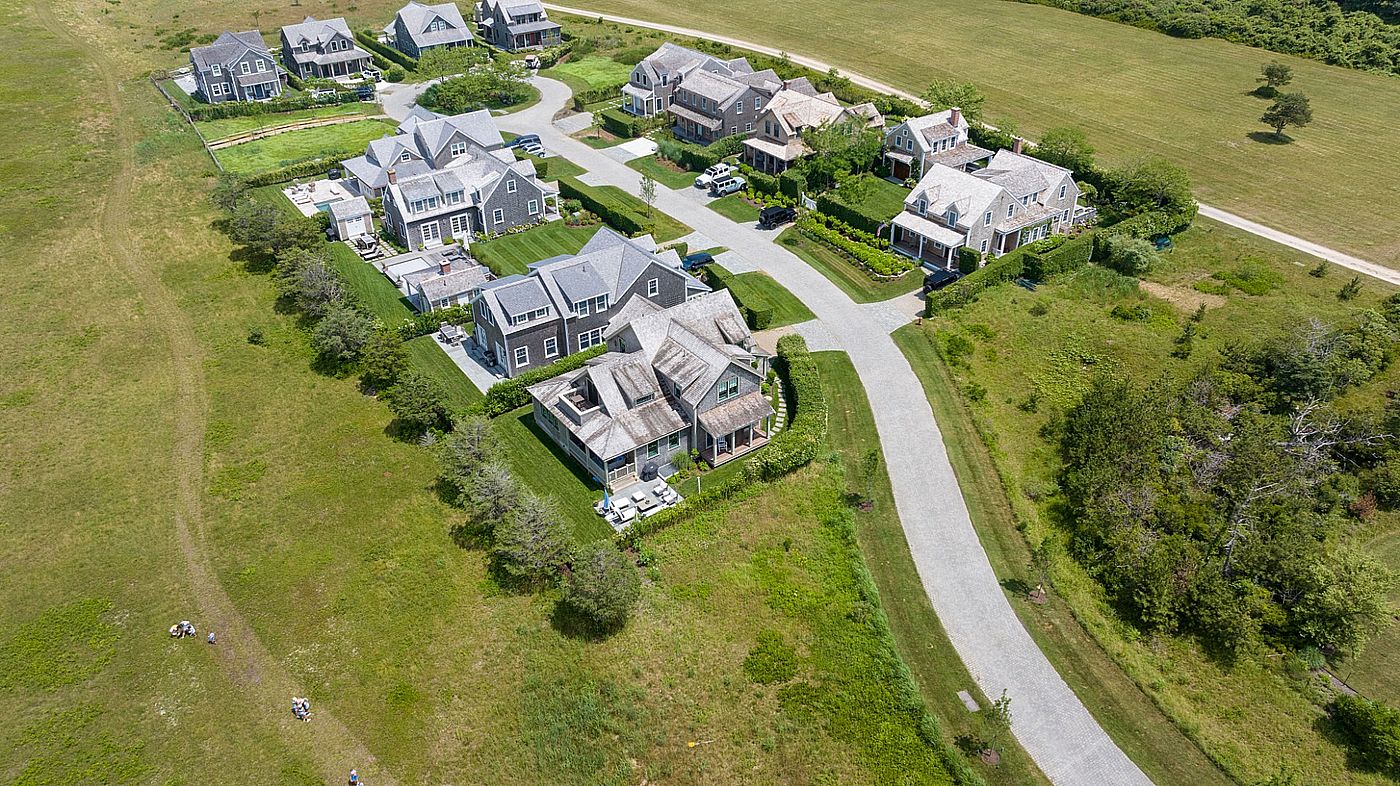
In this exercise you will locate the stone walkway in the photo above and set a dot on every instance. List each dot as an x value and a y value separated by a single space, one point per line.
1050 722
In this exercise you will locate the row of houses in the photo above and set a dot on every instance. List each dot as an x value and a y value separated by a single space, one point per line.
239 66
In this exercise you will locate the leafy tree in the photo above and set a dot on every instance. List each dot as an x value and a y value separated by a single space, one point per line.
1350 289
1131 256
1151 184
295 232
417 402
649 193
1288 109
1066 147
229 191
383 360
251 224
840 149
341 334
943 94
1344 600
603 585
996 720
531 542
494 84
1276 75
438 63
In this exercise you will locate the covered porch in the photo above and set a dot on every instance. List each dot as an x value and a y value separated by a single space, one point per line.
735 427
923 240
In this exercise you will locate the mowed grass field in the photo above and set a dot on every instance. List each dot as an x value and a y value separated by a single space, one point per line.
272 152
215 130
1135 92
1049 344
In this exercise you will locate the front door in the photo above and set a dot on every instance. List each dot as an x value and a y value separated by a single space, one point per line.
431 232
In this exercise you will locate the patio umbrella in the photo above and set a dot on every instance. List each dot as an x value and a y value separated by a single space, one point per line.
607 501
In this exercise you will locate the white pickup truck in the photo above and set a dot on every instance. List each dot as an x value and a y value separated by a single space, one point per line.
716 171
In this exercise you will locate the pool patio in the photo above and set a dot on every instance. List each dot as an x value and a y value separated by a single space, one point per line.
311 198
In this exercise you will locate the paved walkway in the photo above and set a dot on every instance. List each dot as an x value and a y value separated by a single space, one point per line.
1050 722
476 371
1306 246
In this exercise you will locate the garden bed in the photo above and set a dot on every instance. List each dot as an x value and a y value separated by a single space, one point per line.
855 281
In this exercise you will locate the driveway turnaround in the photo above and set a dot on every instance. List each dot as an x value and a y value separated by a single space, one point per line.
1050 722
1239 222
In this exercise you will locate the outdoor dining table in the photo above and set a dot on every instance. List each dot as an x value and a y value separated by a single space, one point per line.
647 505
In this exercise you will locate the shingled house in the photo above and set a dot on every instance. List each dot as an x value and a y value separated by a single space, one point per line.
236 67
322 49
674 379
940 138
564 304
419 28
651 88
516 25
713 103
795 110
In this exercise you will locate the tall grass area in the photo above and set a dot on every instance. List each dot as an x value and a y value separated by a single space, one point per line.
1034 354
215 130
260 155
1135 92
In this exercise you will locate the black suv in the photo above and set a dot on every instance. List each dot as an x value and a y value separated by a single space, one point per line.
697 260
775 216
939 279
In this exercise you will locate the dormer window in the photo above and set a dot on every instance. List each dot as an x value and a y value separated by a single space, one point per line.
214 69
404 156
600 304
952 217
583 308
922 206
1010 209
458 149
665 78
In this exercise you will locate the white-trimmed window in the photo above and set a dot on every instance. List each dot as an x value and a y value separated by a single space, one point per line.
909 144
1063 188
215 70
262 66
757 104
498 216
533 207
748 127
461 225
654 449
739 110
522 356
922 206
984 246
600 304
1064 216
590 338
458 149
673 442
431 231
404 156
653 287
583 308
952 217
551 347
729 388
987 219
216 89
1010 209
510 186
454 197
416 207
245 67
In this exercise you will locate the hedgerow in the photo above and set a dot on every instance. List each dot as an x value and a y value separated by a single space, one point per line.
618 214
865 256
511 394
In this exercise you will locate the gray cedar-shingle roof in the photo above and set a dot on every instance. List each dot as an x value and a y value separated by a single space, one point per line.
347 209
316 31
521 28
736 413
521 297
455 283
715 87
228 48
417 17
959 156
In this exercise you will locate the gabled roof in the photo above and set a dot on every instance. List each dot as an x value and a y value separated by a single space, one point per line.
716 87
930 129
691 343
417 17
228 48
1020 174
607 264
455 283
943 187
347 209
316 31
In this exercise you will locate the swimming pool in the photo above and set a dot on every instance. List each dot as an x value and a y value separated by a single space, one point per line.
325 207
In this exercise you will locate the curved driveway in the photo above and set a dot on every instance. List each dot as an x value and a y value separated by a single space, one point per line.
1050 722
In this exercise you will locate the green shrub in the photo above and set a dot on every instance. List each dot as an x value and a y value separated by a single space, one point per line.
1250 277
633 55
1131 256
792 183
511 394
1066 255
395 73
368 40
1134 313
869 256
831 204
307 168
616 121
760 182
756 309
551 56
593 95
428 322
968 260
799 443
1008 267
1373 731
620 215
771 660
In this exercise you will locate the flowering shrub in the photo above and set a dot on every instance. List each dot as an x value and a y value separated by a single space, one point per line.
873 260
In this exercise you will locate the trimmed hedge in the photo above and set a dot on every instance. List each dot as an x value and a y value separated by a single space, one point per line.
831 204
594 95
1005 268
968 260
509 395
1068 255
850 232
314 166
791 449
550 56
792 183
621 216
616 121
756 309
286 104
800 442
387 52
761 182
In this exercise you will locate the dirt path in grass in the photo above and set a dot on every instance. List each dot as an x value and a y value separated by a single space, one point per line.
254 674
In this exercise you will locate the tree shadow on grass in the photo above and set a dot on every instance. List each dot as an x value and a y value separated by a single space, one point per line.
570 623
1263 92
1016 587
1269 138
1328 728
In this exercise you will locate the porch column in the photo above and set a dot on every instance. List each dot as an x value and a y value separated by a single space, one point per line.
891 232
921 248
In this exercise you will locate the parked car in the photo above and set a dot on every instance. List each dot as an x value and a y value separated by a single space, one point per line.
697 260
939 279
533 148
731 185
713 174
524 139
776 216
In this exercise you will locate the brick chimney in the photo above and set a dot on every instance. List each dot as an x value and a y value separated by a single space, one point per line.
444 267
1017 143
954 117
393 176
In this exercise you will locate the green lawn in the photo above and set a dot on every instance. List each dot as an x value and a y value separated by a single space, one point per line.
1049 344
759 290
551 473
851 279
663 172
882 199
922 642
735 208
427 357
219 129
278 151
555 167
598 139
594 71
372 287
1134 91
513 253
